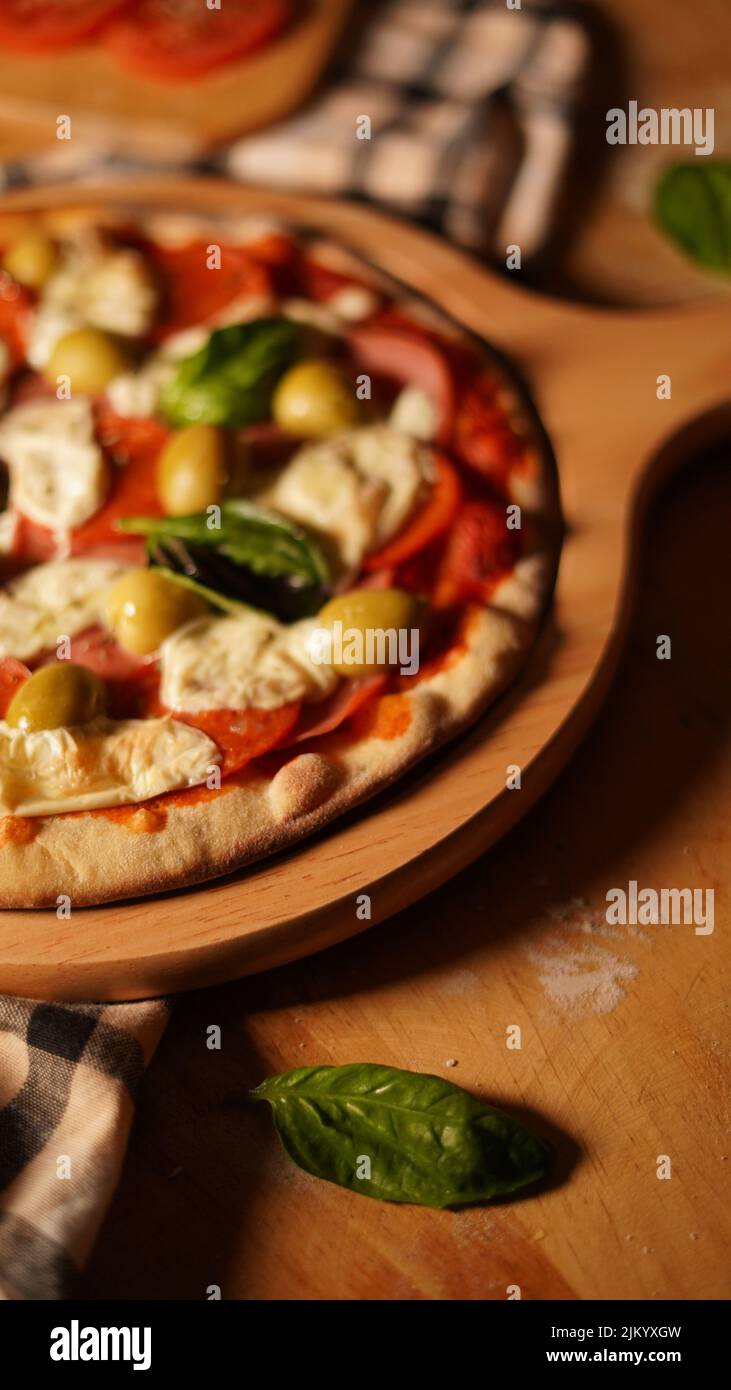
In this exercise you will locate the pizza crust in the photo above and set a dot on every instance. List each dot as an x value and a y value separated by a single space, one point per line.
173 843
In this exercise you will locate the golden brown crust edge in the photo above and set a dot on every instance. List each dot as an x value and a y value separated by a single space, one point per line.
97 858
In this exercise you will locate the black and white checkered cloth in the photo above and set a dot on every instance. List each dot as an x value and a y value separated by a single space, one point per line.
68 1076
456 113
470 106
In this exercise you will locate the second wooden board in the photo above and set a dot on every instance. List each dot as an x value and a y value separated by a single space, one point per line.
113 107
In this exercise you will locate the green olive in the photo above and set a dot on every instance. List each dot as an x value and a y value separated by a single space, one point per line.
366 612
89 357
144 607
193 469
31 260
56 696
314 399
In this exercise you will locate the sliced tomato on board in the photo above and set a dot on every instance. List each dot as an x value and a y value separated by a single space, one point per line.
37 26
479 551
172 40
194 292
244 734
430 521
13 674
411 360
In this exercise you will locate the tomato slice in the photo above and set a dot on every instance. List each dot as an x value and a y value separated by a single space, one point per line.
134 446
431 521
15 304
243 734
175 39
479 551
194 291
13 674
484 437
33 544
34 26
411 360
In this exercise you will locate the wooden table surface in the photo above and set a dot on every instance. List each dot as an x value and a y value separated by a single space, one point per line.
520 938
207 1197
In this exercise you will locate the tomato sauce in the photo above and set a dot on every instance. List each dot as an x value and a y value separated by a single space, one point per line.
19 830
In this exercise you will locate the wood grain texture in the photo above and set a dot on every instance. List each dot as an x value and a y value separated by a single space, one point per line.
607 247
114 107
207 1196
593 375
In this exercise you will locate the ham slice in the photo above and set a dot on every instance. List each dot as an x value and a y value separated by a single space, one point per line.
324 718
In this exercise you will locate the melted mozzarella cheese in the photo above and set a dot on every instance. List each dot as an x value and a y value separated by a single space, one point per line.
58 473
246 660
356 490
137 394
51 601
105 286
353 303
8 530
414 413
105 763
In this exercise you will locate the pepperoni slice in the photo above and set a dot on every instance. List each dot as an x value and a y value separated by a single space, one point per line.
243 734
480 549
13 674
175 41
484 437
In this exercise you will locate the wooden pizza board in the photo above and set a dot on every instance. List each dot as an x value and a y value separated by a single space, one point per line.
112 106
593 374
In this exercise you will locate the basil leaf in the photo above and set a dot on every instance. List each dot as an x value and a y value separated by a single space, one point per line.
230 586
426 1140
216 600
693 205
230 380
263 541
289 542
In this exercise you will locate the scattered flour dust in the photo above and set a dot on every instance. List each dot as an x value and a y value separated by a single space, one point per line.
580 976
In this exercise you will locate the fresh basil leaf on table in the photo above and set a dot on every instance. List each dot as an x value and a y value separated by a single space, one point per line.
428 1141
230 380
255 557
693 205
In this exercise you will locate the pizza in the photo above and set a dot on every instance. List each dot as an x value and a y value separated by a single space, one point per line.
274 529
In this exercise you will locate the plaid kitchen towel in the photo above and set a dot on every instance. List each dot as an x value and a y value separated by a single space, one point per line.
68 1076
470 106
457 113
